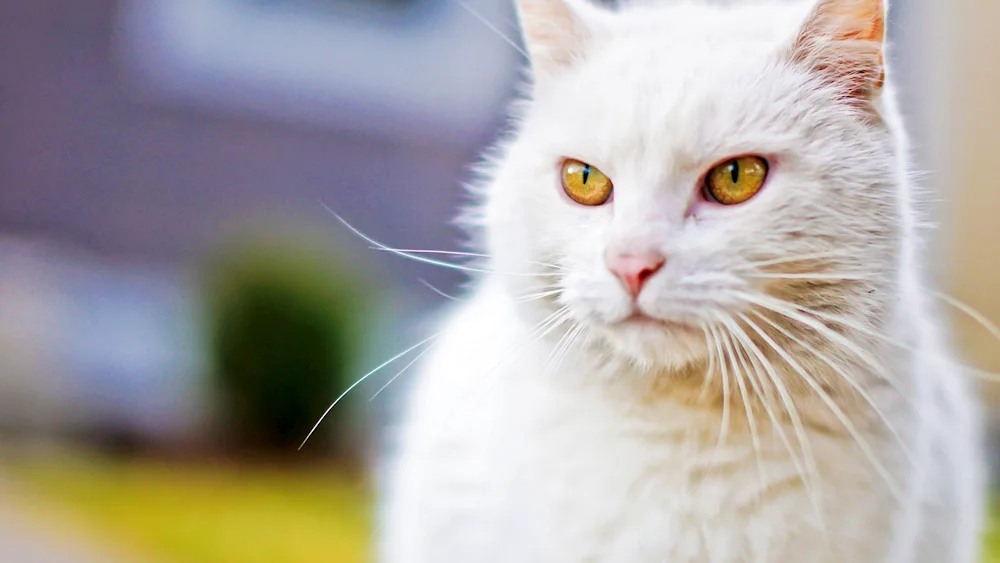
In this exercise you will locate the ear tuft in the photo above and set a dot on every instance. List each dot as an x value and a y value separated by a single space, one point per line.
844 40
554 33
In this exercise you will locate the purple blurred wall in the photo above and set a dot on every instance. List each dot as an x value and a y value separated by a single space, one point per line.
84 160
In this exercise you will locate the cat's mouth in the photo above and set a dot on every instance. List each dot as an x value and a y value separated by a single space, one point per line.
639 319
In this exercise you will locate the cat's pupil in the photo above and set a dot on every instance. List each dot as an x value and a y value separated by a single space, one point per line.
586 172
734 171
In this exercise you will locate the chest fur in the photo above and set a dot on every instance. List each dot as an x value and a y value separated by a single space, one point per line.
579 478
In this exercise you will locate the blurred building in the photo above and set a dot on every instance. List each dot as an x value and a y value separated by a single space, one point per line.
137 127
134 132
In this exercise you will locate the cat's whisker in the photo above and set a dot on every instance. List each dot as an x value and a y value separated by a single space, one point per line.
811 277
361 380
837 411
539 295
975 315
489 25
401 372
724 424
416 258
840 372
710 370
855 434
751 419
969 370
561 349
554 288
799 314
547 366
798 258
436 290
980 319
798 427
541 288
795 312
456 253
766 301
577 338
754 365
442 252
984 375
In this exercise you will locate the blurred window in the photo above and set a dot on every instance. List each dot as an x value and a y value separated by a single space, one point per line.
326 4
407 68
326 7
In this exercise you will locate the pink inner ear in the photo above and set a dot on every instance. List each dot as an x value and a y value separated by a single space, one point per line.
553 32
843 40
846 20
864 19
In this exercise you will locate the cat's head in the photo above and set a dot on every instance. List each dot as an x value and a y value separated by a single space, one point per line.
680 168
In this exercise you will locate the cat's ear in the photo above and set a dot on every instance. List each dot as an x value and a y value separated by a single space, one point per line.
844 41
554 34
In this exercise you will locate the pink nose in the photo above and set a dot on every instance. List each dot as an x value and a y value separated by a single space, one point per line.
634 269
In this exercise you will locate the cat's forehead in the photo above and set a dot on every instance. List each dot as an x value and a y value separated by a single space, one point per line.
699 30
669 76
674 44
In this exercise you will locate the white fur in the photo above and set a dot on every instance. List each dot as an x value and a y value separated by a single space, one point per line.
589 440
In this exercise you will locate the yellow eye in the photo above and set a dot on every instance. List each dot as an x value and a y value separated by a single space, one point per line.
585 184
736 180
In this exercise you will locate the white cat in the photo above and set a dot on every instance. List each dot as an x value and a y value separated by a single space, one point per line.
703 333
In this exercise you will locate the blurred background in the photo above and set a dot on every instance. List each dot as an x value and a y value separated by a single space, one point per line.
178 305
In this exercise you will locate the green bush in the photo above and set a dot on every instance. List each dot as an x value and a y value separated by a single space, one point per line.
286 325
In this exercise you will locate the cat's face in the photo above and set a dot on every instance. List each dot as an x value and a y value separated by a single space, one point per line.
664 103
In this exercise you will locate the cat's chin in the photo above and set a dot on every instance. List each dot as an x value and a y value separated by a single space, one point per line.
642 321
655 341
